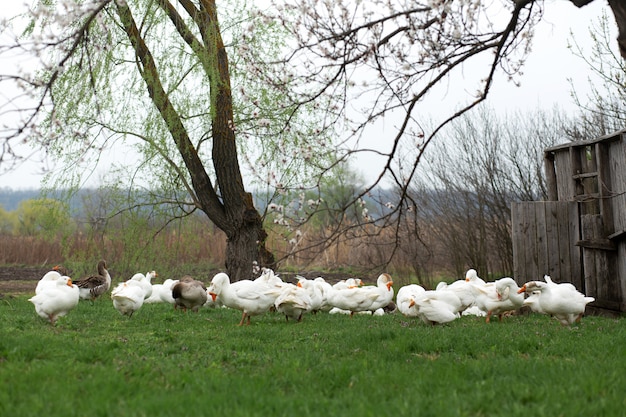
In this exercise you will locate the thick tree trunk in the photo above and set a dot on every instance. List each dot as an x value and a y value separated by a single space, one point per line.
246 236
232 209
246 253
619 11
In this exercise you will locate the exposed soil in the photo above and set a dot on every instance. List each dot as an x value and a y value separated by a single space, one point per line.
20 279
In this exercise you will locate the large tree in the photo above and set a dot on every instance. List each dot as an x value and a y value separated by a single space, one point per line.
347 65
153 80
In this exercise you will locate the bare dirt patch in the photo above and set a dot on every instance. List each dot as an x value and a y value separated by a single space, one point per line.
20 279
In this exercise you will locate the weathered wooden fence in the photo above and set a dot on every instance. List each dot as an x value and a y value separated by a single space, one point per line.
550 238
544 237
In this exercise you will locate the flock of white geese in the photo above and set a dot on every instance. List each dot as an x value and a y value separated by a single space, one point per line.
56 295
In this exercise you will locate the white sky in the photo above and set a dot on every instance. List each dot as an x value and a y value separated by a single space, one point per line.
544 83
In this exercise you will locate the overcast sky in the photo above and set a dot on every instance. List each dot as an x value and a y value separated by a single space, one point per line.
544 83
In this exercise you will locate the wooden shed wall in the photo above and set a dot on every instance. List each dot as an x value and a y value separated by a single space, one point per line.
589 179
544 235
621 267
617 175
563 169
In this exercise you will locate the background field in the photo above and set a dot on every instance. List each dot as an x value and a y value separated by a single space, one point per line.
163 362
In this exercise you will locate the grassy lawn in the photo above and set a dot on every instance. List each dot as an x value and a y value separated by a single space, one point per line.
163 362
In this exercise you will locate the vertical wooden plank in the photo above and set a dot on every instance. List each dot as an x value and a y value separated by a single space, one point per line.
529 243
617 167
553 238
542 240
530 250
563 169
589 285
550 173
518 241
562 221
575 163
605 186
621 268
575 252
617 154
607 287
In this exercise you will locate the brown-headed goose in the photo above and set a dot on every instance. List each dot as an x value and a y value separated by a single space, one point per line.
93 286
189 293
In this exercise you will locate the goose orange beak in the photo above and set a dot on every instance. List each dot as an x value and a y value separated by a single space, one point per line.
213 296
389 284
69 282
521 290
412 303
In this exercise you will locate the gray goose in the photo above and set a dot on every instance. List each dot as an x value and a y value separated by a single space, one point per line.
93 286
189 293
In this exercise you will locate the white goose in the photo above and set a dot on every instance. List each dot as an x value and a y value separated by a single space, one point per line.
405 299
326 289
533 302
162 293
128 297
50 278
384 291
472 276
269 277
293 301
360 299
348 283
432 310
562 301
315 290
498 299
145 282
251 297
54 302
462 289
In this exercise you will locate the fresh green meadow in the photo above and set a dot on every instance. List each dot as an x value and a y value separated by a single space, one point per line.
163 362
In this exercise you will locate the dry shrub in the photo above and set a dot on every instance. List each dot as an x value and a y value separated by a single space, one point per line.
29 250
371 251
167 250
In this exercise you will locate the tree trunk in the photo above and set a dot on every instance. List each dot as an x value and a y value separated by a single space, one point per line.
245 251
232 209
619 11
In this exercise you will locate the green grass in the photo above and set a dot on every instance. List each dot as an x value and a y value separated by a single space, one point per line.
163 362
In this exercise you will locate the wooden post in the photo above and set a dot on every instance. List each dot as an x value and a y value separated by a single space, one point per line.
550 172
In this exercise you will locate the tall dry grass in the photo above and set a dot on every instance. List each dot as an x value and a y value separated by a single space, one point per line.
29 250
169 251
198 246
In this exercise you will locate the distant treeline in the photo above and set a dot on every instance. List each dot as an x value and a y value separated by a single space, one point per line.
10 199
